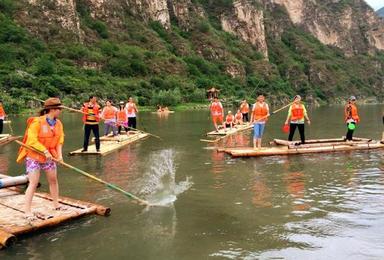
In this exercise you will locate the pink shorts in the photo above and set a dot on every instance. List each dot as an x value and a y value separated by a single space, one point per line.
32 165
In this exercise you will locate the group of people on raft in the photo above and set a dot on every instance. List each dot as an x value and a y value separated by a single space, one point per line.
114 119
45 134
297 114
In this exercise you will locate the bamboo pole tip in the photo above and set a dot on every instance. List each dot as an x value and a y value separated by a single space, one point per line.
6 239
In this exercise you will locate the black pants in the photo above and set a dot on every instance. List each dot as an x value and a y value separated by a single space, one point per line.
349 134
87 134
1 125
132 122
120 127
245 117
292 129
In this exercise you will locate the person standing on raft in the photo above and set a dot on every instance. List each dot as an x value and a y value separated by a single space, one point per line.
244 109
122 118
2 117
91 119
109 116
297 113
132 110
351 117
259 116
217 113
44 133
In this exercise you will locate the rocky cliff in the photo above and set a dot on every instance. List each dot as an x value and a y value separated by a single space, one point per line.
321 48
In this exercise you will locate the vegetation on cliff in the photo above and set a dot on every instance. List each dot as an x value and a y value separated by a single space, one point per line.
174 66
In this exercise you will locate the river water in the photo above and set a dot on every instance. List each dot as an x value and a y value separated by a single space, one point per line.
316 206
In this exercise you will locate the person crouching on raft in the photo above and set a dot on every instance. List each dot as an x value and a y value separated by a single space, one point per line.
238 118
297 113
44 133
351 117
217 113
122 118
229 120
259 116
109 115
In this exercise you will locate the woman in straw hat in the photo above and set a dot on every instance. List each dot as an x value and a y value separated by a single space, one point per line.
44 133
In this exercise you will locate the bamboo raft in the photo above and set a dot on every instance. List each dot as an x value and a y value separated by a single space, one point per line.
12 220
228 131
110 144
7 138
311 146
163 112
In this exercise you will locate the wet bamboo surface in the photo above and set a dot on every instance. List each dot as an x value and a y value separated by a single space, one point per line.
228 131
302 149
110 144
13 223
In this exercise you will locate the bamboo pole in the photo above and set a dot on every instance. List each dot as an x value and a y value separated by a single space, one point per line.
109 185
245 128
6 239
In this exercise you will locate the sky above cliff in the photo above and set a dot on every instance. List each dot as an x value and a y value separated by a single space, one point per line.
376 4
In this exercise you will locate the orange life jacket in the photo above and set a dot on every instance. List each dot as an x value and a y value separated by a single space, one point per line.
239 116
121 116
47 136
109 113
2 112
297 112
229 119
216 109
351 113
91 112
260 111
244 108
131 108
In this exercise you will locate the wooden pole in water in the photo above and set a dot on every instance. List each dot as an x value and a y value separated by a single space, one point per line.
109 185
6 239
225 136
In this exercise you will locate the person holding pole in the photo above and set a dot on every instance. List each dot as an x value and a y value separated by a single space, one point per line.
132 110
91 119
259 116
108 114
45 134
351 118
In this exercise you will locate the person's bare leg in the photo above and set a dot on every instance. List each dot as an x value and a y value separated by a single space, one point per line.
53 187
254 143
33 178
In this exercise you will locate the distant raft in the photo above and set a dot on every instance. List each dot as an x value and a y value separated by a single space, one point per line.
163 112
110 144
311 146
13 223
6 138
229 131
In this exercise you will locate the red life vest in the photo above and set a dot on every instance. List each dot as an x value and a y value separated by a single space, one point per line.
260 111
121 116
216 109
91 113
351 113
297 112
229 119
109 112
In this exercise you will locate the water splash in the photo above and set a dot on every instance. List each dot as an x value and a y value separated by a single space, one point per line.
160 188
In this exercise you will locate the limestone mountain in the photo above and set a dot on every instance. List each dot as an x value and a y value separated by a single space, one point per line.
170 51
380 12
